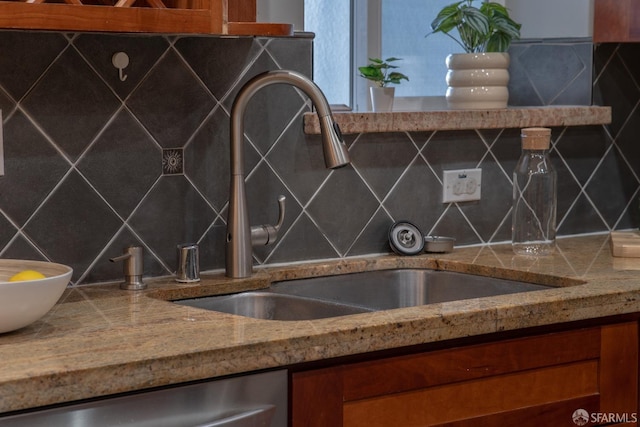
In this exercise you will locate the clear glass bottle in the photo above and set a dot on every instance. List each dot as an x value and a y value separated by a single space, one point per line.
534 196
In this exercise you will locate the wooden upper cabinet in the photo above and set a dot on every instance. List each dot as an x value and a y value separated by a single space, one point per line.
616 21
226 17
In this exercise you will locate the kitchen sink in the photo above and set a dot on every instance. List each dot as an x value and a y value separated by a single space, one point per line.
273 306
344 294
387 289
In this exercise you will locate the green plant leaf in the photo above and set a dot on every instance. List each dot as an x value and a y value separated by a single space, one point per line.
378 71
396 77
486 28
447 19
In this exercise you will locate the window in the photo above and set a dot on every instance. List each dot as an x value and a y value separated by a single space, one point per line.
331 20
349 32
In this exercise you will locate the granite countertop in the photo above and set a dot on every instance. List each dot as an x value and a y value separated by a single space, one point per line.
512 117
100 340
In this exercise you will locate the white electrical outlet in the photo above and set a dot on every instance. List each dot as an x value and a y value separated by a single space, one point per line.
461 185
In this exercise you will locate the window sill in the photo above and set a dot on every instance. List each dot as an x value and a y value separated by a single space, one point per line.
415 121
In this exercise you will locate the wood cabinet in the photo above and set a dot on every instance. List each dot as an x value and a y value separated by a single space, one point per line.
227 17
534 381
616 21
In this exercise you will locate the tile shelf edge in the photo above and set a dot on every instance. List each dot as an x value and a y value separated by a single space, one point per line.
415 121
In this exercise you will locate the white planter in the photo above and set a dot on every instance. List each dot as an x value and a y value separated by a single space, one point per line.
478 80
382 98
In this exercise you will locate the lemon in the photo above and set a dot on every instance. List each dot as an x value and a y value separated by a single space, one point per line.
26 275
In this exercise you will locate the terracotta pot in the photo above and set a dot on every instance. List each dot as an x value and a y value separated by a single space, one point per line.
478 80
382 98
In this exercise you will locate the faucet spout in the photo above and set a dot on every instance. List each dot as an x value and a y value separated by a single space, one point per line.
239 242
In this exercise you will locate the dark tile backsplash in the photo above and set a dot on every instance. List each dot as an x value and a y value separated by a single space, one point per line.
94 163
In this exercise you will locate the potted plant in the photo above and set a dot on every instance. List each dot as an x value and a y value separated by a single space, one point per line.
479 77
382 73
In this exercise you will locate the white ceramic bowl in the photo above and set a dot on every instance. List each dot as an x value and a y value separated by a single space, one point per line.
22 303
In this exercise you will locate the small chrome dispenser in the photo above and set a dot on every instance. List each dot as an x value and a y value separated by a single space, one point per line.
133 268
188 259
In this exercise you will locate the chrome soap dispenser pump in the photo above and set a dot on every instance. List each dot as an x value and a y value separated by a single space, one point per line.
133 268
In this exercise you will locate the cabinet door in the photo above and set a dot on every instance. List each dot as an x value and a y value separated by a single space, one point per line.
616 21
533 381
233 17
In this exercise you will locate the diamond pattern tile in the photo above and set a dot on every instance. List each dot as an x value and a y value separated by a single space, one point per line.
453 219
21 248
263 188
582 149
612 172
27 153
304 240
269 113
171 102
143 54
83 153
381 158
454 150
496 202
374 236
341 214
416 197
615 86
122 164
105 270
212 246
291 54
7 105
568 190
217 61
31 54
299 161
84 224
171 213
7 231
627 141
83 103
582 217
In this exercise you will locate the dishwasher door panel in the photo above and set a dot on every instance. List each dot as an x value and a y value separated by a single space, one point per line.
255 400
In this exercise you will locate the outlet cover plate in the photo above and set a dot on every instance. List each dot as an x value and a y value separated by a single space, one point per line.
461 185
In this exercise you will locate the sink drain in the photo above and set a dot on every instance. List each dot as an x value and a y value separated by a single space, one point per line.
405 238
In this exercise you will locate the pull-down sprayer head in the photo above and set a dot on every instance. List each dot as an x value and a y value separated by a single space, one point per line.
333 146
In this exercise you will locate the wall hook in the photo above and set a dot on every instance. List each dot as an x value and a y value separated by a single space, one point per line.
120 60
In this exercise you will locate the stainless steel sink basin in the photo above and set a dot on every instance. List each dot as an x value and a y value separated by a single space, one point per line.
387 289
272 306
332 296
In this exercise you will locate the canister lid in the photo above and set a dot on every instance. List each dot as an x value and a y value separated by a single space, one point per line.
536 138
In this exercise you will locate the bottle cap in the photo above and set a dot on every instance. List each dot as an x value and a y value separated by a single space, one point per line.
536 138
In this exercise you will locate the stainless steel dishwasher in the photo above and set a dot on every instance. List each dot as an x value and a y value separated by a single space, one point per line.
255 400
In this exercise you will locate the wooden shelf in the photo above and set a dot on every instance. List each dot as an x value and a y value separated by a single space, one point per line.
147 16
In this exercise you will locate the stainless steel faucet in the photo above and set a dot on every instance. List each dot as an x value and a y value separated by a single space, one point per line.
241 237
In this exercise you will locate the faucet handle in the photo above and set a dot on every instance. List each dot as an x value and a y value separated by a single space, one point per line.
267 234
